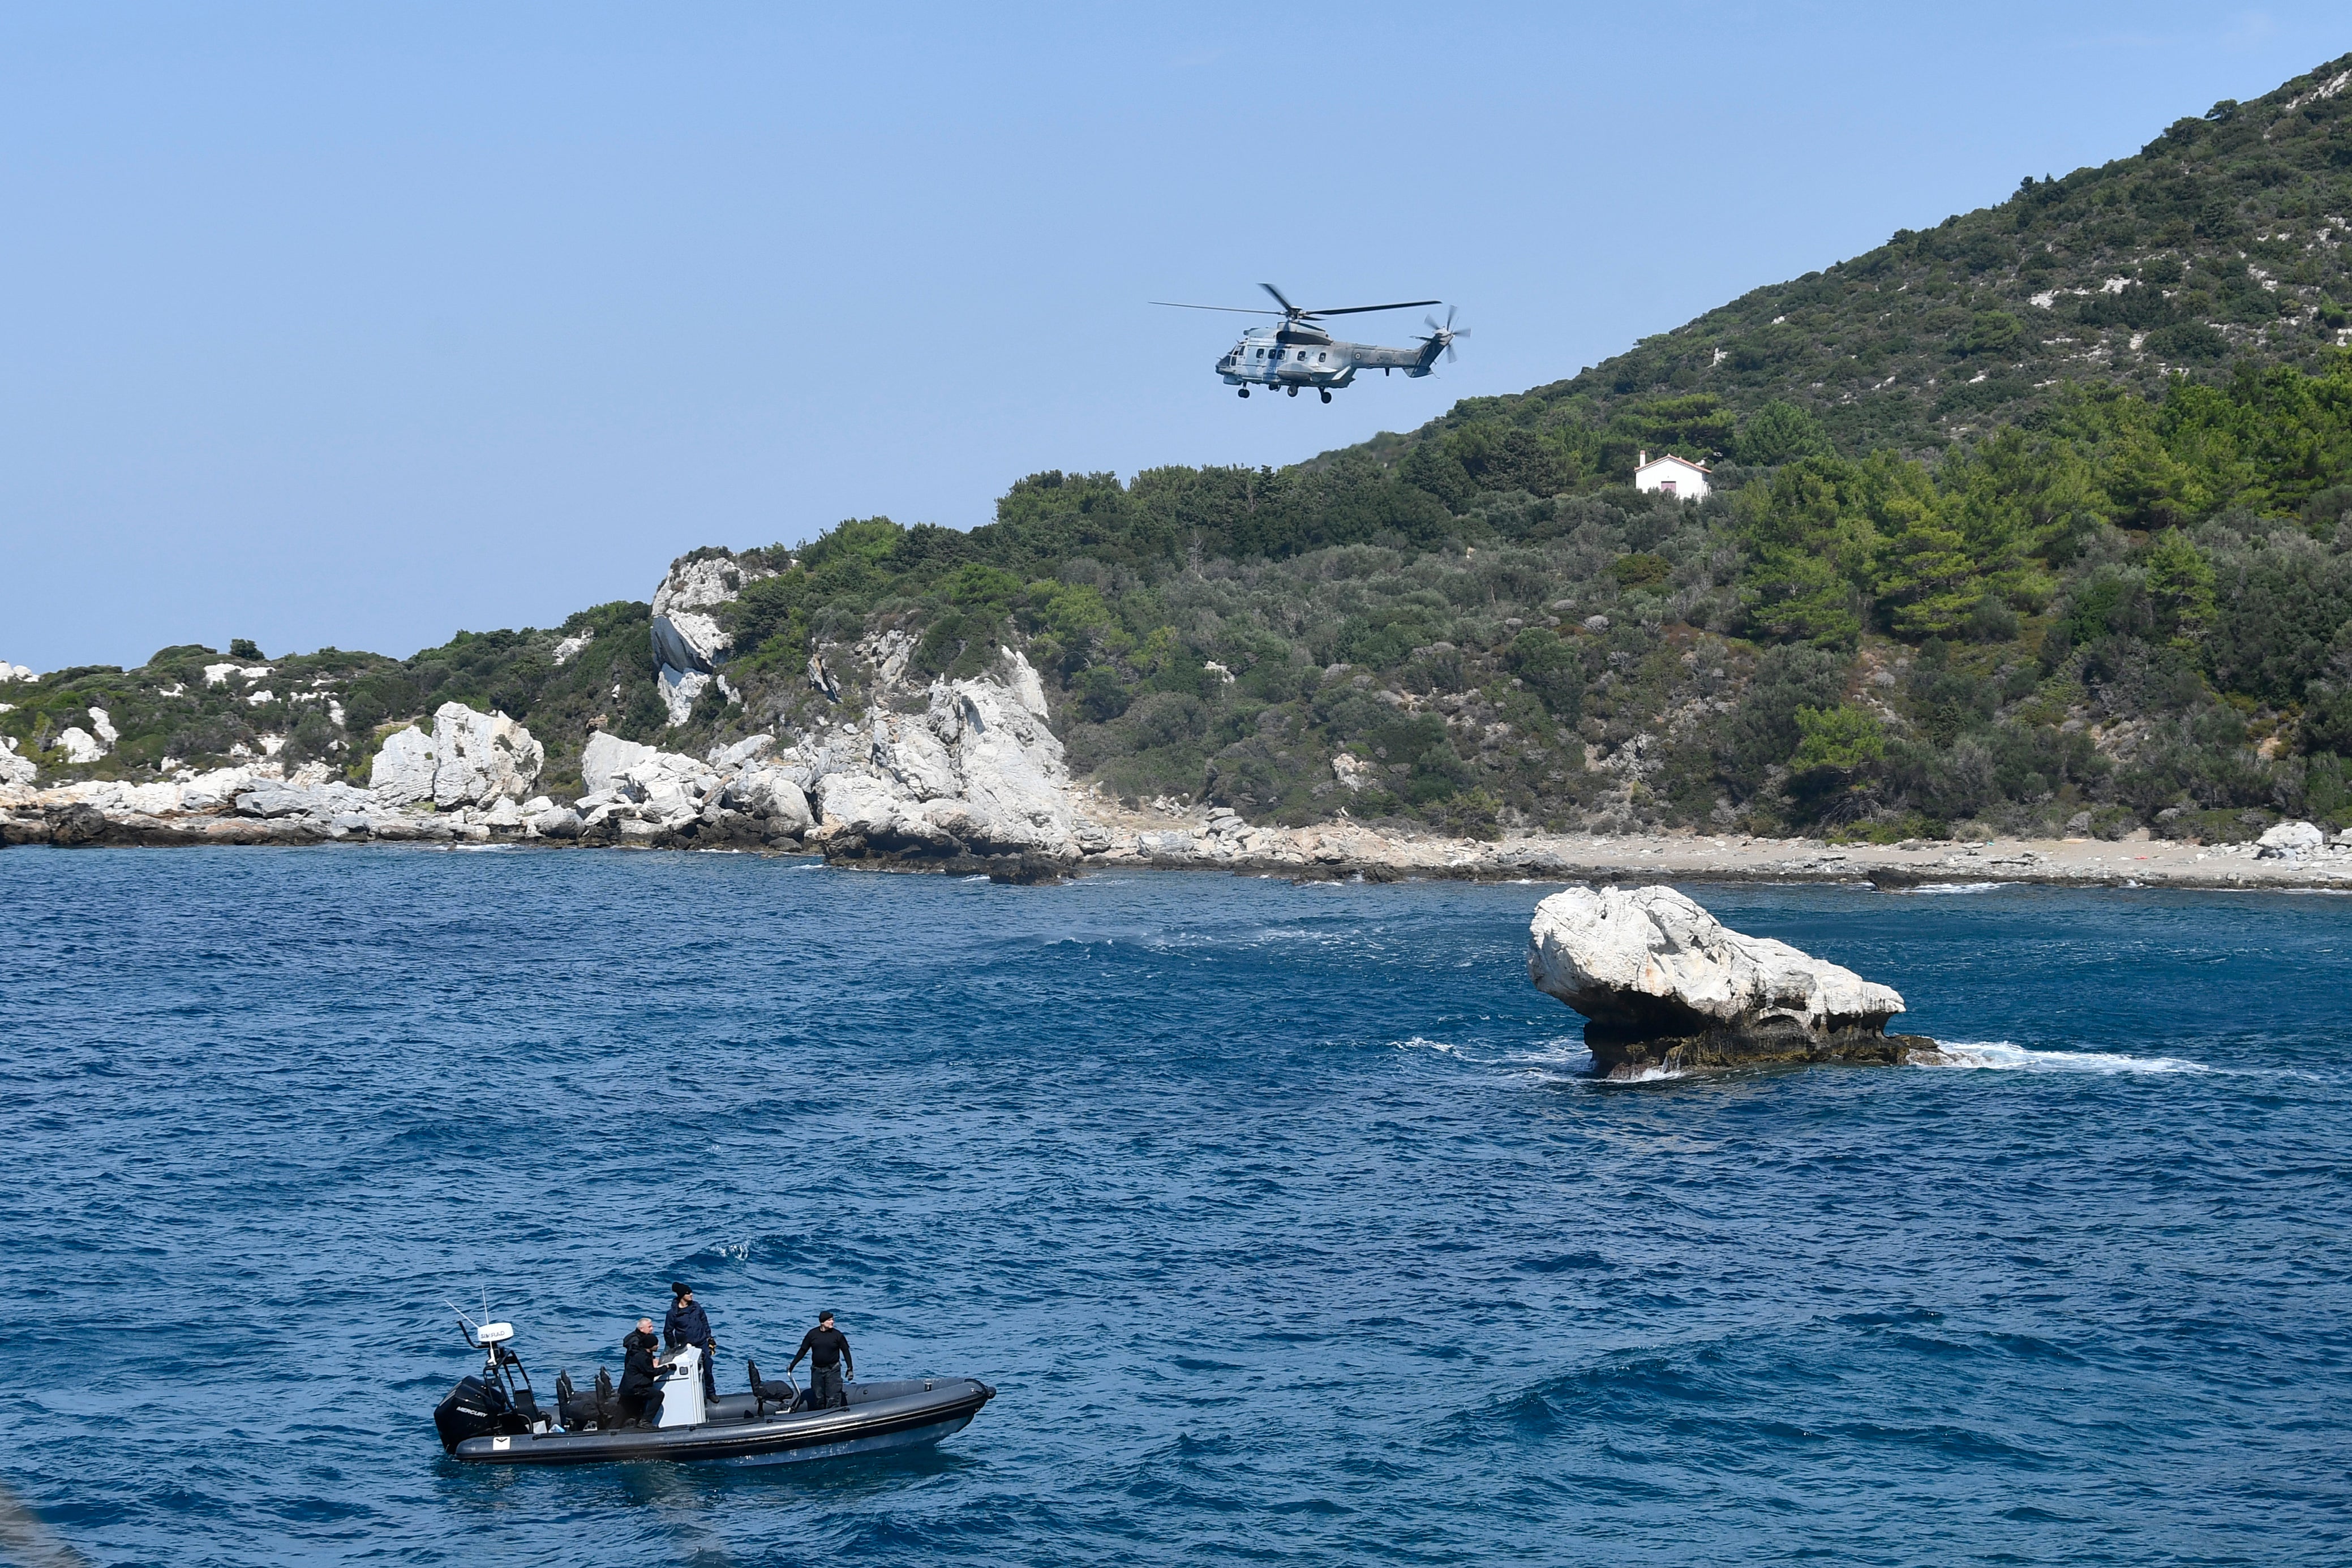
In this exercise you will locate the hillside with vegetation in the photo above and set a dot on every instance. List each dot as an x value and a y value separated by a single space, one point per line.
2034 522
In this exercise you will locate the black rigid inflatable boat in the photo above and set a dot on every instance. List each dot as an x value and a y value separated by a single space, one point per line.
494 1418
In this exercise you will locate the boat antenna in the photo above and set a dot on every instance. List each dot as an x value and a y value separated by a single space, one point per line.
469 1325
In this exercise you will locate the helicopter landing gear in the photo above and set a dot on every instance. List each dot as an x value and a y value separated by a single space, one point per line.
1292 391
1245 392
1326 392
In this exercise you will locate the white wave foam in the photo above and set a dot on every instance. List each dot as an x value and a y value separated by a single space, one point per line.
1418 1043
2001 1055
1647 1075
1958 887
1567 1049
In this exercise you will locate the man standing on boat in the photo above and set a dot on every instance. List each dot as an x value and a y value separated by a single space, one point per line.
827 1349
689 1325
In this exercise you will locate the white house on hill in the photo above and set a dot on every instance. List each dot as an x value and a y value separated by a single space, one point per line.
1677 476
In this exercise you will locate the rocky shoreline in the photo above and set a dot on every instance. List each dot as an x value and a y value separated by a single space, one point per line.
701 807
882 769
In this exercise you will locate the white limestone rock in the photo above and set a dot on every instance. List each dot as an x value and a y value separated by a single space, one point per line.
556 823
1025 684
302 797
480 758
908 752
678 690
605 758
742 754
1617 951
403 770
687 632
1665 984
505 813
2289 841
862 804
772 794
80 746
1011 765
15 771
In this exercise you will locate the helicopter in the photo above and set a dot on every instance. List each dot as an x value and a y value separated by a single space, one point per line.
1300 353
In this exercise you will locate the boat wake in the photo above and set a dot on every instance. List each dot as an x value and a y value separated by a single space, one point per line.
2001 1055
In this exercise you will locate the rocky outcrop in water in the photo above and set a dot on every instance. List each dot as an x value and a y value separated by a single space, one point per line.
1664 986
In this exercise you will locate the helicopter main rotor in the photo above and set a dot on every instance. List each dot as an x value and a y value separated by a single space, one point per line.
1292 315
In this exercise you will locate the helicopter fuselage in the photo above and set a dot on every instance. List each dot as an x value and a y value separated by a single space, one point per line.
1287 357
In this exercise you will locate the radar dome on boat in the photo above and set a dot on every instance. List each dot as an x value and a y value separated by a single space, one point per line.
495 1333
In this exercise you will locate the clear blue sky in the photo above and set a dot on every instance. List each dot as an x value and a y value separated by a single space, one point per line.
362 324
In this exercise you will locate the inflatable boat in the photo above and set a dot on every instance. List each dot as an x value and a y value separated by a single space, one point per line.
494 1418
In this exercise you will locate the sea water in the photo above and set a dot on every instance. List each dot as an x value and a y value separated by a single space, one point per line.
1287 1220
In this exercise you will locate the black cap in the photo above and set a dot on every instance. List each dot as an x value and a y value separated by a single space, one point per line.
677 1290
821 1316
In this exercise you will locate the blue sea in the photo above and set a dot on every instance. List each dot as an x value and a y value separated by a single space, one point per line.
1287 1220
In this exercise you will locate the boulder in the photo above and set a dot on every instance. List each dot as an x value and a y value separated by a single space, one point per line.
557 822
403 770
742 754
75 825
15 770
1664 986
771 793
858 803
2288 840
480 758
605 758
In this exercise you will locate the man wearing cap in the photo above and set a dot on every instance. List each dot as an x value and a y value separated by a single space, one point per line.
689 1325
827 1349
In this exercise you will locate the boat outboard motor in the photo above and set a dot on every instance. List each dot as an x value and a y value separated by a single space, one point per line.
474 1409
497 1400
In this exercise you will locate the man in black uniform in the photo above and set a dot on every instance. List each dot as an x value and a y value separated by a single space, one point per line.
640 1403
689 1325
827 1349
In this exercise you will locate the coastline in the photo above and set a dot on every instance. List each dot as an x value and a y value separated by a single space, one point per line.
1346 849
1217 840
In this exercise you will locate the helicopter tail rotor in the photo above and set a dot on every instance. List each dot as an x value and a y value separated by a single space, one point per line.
1442 334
